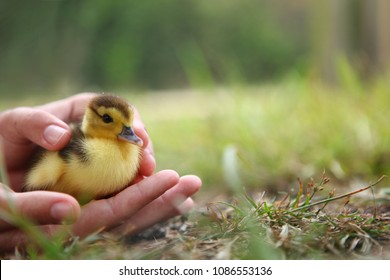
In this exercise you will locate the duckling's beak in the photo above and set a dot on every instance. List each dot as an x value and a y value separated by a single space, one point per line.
127 134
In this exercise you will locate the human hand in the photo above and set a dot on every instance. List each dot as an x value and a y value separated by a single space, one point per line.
156 198
145 203
23 129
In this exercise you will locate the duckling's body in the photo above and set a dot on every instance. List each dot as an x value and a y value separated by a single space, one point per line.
102 158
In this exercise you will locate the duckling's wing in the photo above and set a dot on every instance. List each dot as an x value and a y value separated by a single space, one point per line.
48 168
45 172
75 146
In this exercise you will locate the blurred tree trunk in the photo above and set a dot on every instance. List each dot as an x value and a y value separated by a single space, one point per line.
376 34
329 36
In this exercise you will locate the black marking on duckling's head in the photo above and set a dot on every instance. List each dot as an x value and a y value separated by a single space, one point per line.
111 101
110 117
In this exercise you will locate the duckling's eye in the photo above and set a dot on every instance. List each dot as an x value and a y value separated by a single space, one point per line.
107 119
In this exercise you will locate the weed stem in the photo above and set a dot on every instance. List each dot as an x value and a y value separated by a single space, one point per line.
339 196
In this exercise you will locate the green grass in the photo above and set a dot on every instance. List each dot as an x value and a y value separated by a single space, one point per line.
301 227
274 133
249 145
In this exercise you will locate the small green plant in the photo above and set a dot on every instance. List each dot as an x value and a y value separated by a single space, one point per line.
300 227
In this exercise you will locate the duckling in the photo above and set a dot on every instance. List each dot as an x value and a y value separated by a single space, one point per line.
102 157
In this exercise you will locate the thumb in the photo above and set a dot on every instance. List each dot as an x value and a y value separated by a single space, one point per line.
21 125
53 208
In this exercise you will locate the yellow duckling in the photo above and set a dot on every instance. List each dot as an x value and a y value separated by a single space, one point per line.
102 157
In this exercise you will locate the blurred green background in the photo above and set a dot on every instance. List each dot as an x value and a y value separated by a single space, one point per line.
147 44
243 93
97 44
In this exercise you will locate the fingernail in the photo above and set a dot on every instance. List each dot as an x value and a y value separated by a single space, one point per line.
53 134
62 210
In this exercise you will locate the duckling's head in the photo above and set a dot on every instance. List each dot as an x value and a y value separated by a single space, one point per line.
110 117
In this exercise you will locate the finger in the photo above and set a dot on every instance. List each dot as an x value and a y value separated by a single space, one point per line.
138 225
148 162
176 201
116 209
149 217
141 132
11 239
22 125
70 109
39 207
46 125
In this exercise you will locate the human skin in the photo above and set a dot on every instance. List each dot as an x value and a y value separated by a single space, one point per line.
151 198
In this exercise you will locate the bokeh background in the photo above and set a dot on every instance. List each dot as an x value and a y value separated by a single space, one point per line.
247 93
179 44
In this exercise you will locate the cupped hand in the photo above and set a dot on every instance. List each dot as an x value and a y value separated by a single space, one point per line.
150 199
24 129
156 198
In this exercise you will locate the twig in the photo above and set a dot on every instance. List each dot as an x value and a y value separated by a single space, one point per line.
340 196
